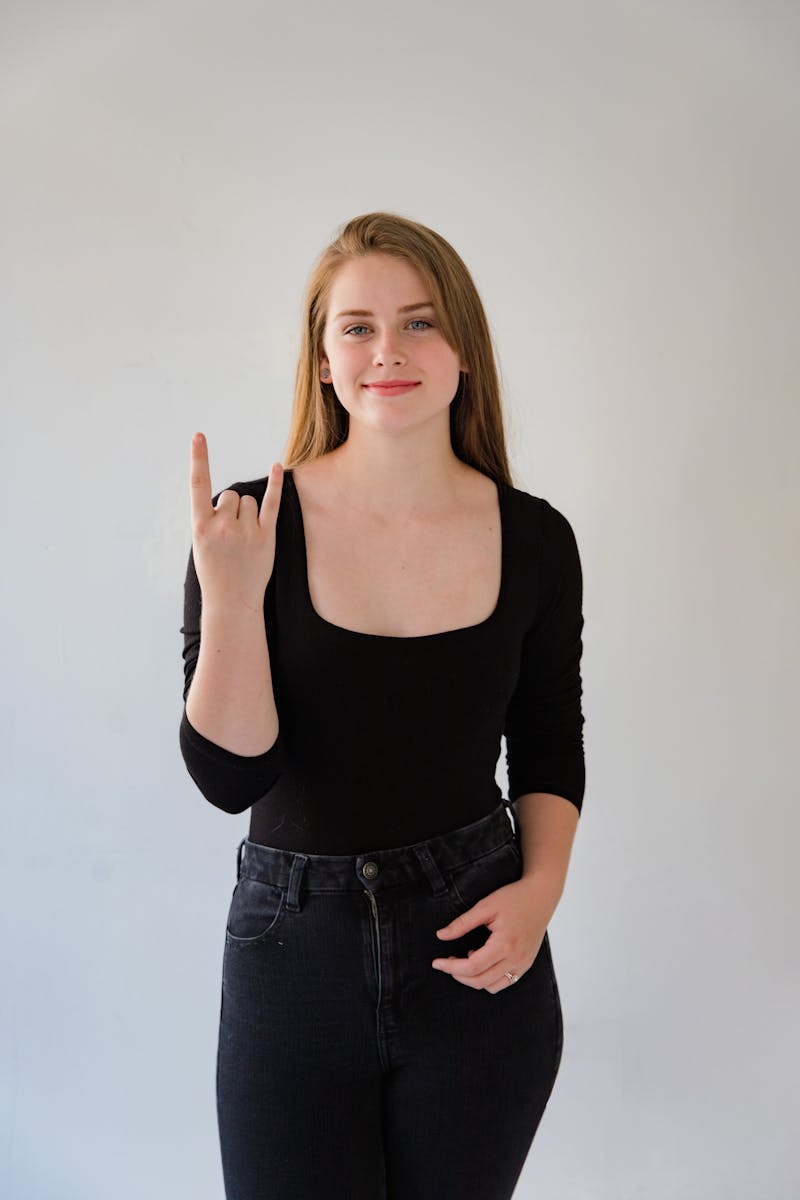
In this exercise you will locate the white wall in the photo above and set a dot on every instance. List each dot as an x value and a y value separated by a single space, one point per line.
622 179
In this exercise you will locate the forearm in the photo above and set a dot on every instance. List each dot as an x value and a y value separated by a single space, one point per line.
547 825
230 700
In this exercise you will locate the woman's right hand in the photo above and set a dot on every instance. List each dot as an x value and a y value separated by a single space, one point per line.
233 544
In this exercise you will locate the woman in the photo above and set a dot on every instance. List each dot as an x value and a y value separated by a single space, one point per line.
375 616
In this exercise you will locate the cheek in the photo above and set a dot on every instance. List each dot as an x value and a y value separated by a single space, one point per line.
349 358
440 358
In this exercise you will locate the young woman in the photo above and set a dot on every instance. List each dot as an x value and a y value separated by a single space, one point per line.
362 626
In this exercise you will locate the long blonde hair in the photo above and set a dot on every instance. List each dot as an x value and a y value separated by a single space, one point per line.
319 422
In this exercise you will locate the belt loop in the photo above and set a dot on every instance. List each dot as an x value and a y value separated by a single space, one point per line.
239 853
295 879
431 869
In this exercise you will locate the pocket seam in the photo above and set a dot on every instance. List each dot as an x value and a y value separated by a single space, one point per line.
233 938
556 992
451 875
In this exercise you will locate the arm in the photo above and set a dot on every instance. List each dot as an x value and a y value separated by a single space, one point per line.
229 730
230 698
544 720
547 825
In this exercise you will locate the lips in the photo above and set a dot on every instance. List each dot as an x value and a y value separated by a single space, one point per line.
392 388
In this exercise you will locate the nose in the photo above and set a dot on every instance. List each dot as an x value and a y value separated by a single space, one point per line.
386 351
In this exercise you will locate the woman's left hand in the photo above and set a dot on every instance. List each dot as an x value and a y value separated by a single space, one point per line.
517 915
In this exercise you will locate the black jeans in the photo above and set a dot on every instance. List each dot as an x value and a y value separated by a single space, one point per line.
348 1067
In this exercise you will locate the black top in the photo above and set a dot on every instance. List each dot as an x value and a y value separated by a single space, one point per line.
385 741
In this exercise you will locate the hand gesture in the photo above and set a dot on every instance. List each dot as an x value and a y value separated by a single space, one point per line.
233 544
517 915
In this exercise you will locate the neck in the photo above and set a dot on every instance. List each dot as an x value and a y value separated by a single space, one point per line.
396 485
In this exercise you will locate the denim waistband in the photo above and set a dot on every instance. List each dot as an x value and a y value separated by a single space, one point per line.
378 870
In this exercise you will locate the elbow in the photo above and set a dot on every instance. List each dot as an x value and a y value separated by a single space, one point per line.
230 794
225 801
230 782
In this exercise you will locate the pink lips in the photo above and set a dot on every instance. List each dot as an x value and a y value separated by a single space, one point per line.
392 389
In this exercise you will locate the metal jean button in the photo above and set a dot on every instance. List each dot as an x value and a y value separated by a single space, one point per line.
369 870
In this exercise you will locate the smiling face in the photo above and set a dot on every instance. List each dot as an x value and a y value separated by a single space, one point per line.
369 338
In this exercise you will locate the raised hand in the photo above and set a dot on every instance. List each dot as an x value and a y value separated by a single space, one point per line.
233 544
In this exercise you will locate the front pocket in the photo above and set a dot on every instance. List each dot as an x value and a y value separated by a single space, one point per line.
471 881
256 911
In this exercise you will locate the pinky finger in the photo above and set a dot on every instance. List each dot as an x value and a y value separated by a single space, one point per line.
272 492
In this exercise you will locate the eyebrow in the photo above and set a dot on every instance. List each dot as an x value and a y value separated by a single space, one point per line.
363 312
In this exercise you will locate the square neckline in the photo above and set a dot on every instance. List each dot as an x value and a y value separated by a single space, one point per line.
393 637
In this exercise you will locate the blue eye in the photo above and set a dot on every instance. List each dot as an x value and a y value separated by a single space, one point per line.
413 321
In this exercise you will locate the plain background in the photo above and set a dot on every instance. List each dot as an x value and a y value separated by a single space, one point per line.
622 181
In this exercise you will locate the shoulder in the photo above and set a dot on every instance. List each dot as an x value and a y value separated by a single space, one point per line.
543 529
538 510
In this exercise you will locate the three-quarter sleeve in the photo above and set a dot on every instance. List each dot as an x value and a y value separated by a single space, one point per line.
544 718
231 782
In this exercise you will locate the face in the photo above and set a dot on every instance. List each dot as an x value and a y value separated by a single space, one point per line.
381 342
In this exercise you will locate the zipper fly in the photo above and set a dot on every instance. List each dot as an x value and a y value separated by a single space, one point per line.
377 940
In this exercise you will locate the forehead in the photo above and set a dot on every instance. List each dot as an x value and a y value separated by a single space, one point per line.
377 279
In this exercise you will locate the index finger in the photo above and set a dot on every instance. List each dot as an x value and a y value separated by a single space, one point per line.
200 480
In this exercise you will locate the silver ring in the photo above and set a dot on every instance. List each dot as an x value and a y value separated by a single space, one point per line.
512 977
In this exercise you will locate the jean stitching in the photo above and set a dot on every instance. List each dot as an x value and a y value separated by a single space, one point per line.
494 850
559 1041
235 939
472 862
